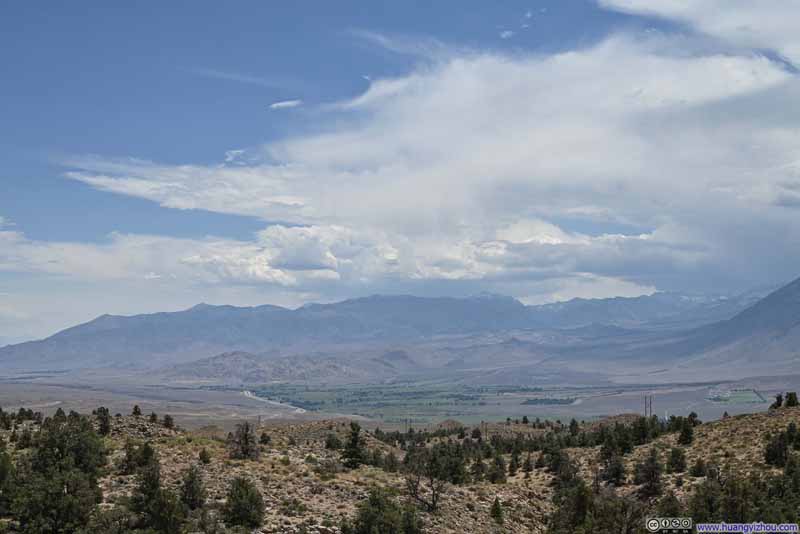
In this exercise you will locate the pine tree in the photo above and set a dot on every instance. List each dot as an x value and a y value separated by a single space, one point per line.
609 448
137 412
648 474
497 471
687 433
496 511
244 505
58 501
670 506
698 468
791 399
243 445
7 473
478 469
146 455
778 402
204 456
777 450
169 422
147 490
59 416
353 453
193 490
677 461
539 463
513 465
614 471
103 421
527 466
25 439
332 442
391 464
166 516
153 417
573 427
379 514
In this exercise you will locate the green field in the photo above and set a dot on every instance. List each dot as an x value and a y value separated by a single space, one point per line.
422 403
738 396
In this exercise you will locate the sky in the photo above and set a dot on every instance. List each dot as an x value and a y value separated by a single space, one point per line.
155 155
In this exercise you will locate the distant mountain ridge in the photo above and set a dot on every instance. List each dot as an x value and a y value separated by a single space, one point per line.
166 338
764 337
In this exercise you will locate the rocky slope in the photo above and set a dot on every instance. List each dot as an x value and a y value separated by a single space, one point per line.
307 491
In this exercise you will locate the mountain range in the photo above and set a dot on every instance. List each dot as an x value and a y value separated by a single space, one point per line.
380 337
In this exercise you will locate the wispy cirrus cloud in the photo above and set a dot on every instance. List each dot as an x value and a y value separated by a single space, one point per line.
286 104
411 45
758 25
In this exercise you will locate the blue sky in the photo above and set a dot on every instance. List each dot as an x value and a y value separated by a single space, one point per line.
161 154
